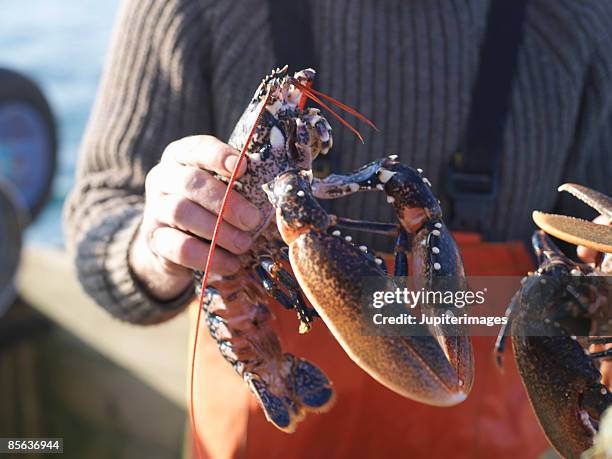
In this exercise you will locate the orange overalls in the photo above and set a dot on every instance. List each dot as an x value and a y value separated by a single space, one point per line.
368 420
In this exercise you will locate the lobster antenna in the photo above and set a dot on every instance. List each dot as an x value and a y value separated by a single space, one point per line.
338 117
209 260
343 106
306 87
310 93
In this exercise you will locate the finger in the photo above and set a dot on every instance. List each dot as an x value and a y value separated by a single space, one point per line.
205 152
587 254
180 248
202 188
606 364
606 373
186 215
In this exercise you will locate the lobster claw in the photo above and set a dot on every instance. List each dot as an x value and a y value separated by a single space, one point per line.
557 303
331 271
575 230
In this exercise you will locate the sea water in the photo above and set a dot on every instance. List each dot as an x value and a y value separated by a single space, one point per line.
62 45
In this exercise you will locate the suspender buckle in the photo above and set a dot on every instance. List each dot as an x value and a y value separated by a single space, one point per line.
470 199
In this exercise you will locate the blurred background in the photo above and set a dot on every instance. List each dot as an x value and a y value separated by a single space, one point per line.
66 368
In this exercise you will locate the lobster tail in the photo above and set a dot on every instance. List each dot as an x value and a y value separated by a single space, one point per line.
286 387
280 410
306 388
310 385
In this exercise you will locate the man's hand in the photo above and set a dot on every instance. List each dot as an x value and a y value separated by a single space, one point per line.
183 199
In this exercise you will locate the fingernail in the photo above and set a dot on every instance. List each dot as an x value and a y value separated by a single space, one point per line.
242 241
230 163
250 217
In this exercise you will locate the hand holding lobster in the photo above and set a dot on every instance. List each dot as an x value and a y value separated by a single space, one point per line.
183 199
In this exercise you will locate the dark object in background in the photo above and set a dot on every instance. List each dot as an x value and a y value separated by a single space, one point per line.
12 219
28 139
28 158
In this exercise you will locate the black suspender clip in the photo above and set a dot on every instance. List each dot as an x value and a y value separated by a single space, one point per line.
469 197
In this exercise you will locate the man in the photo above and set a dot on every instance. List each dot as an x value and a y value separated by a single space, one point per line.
181 72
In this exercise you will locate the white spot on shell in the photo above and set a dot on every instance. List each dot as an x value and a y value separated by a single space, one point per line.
274 107
547 320
390 199
353 187
438 225
348 238
384 175
300 193
426 181
575 272
435 232
393 157
277 140
435 250
419 170
336 233
573 337
288 188
378 261
437 266
603 391
363 248
380 187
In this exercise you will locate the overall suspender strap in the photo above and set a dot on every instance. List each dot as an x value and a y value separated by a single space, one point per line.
473 173
291 29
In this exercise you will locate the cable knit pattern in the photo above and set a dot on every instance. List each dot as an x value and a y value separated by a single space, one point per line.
183 67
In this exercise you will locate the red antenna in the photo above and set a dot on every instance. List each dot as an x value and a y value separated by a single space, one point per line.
310 93
213 244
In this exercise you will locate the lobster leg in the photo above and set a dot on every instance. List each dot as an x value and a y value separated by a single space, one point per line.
601 354
402 243
272 275
386 229
504 332
401 259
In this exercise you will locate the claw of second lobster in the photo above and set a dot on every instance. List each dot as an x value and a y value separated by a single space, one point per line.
557 303
436 370
575 230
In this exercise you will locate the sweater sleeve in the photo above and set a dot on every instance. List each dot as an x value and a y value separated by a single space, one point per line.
590 159
153 91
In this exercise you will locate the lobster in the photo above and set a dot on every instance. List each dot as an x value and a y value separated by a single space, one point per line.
280 138
559 311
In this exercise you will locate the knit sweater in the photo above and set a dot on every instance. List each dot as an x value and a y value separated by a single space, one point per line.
184 67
